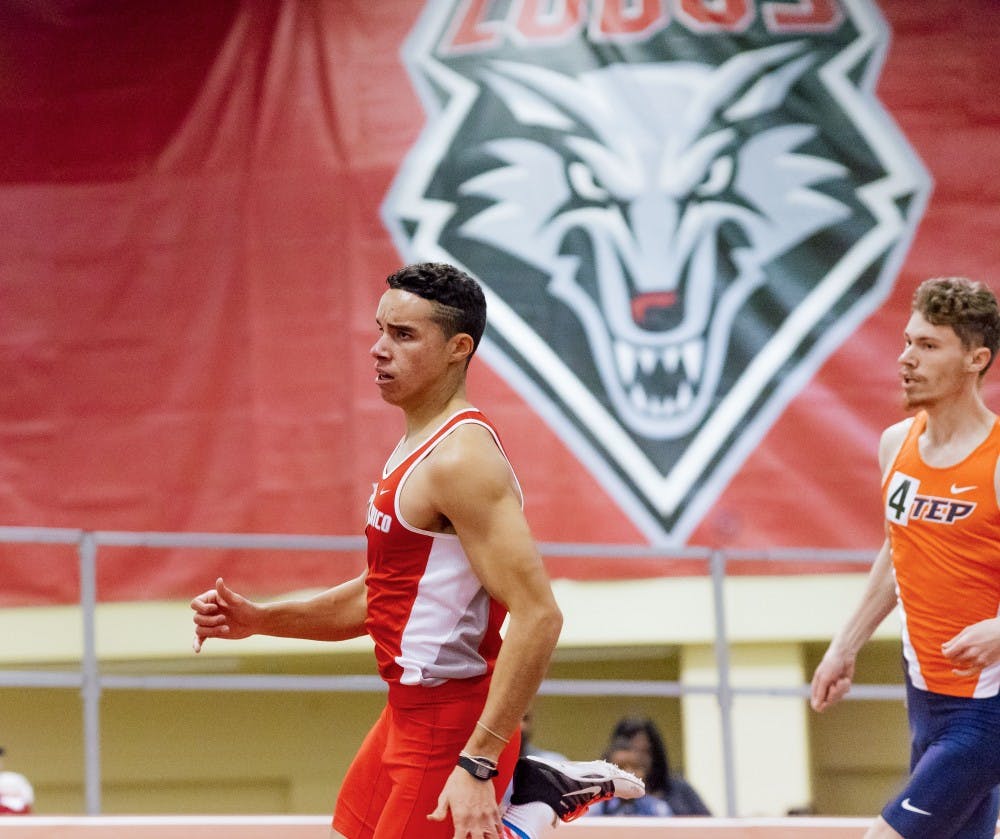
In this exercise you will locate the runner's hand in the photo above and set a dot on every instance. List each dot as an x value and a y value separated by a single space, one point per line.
222 613
832 680
473 807
975 647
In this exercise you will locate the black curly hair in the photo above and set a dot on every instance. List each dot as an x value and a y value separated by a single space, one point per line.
459 302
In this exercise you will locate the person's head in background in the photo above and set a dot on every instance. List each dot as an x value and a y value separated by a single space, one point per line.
642 735
623 754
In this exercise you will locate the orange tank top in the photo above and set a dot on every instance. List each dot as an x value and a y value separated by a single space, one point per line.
944 527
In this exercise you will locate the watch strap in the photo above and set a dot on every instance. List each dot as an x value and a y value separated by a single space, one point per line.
480 768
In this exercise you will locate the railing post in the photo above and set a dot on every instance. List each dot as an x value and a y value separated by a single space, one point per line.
725 691
91 685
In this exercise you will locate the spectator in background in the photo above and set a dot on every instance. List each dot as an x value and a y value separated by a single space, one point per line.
644 737
16 794
636 761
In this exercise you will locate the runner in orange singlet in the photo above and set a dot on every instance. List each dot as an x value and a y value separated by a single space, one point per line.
941 563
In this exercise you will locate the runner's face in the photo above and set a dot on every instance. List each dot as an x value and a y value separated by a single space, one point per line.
933 366
411 353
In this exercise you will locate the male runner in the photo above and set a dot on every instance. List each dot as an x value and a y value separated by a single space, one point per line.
941 561
449 556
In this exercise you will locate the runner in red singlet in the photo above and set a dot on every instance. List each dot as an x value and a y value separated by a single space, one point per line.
450 556
941 563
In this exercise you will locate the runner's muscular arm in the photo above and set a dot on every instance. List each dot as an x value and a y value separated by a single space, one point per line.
472 486
834 674
333 615
475 490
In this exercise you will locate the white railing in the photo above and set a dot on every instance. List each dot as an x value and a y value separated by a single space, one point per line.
89 679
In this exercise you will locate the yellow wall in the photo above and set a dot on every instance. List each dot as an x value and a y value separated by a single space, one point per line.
215 752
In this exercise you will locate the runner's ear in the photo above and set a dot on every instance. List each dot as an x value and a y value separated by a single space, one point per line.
461 345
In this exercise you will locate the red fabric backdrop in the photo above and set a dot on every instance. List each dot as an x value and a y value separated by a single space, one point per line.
191 252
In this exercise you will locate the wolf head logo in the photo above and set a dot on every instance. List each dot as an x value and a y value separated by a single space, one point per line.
670 245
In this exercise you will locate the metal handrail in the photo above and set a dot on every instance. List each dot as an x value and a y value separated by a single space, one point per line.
91 681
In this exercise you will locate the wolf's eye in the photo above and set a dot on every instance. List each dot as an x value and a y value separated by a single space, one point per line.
583 182
719 175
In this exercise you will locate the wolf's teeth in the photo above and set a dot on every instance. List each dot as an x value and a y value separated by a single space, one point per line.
647 360
693 354
625 357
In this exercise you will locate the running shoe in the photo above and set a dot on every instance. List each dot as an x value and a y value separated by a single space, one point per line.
570 787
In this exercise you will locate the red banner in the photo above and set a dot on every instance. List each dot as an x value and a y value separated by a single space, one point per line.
199 203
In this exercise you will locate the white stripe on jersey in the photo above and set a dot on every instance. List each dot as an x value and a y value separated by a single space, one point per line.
447 620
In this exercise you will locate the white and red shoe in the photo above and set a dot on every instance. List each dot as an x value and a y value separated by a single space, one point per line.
570 787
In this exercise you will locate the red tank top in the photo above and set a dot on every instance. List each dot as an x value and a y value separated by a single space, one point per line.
944 526
430 617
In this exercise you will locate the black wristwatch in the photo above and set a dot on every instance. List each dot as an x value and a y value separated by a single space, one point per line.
479 768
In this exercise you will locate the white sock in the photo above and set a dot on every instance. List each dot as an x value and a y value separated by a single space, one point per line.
529 821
